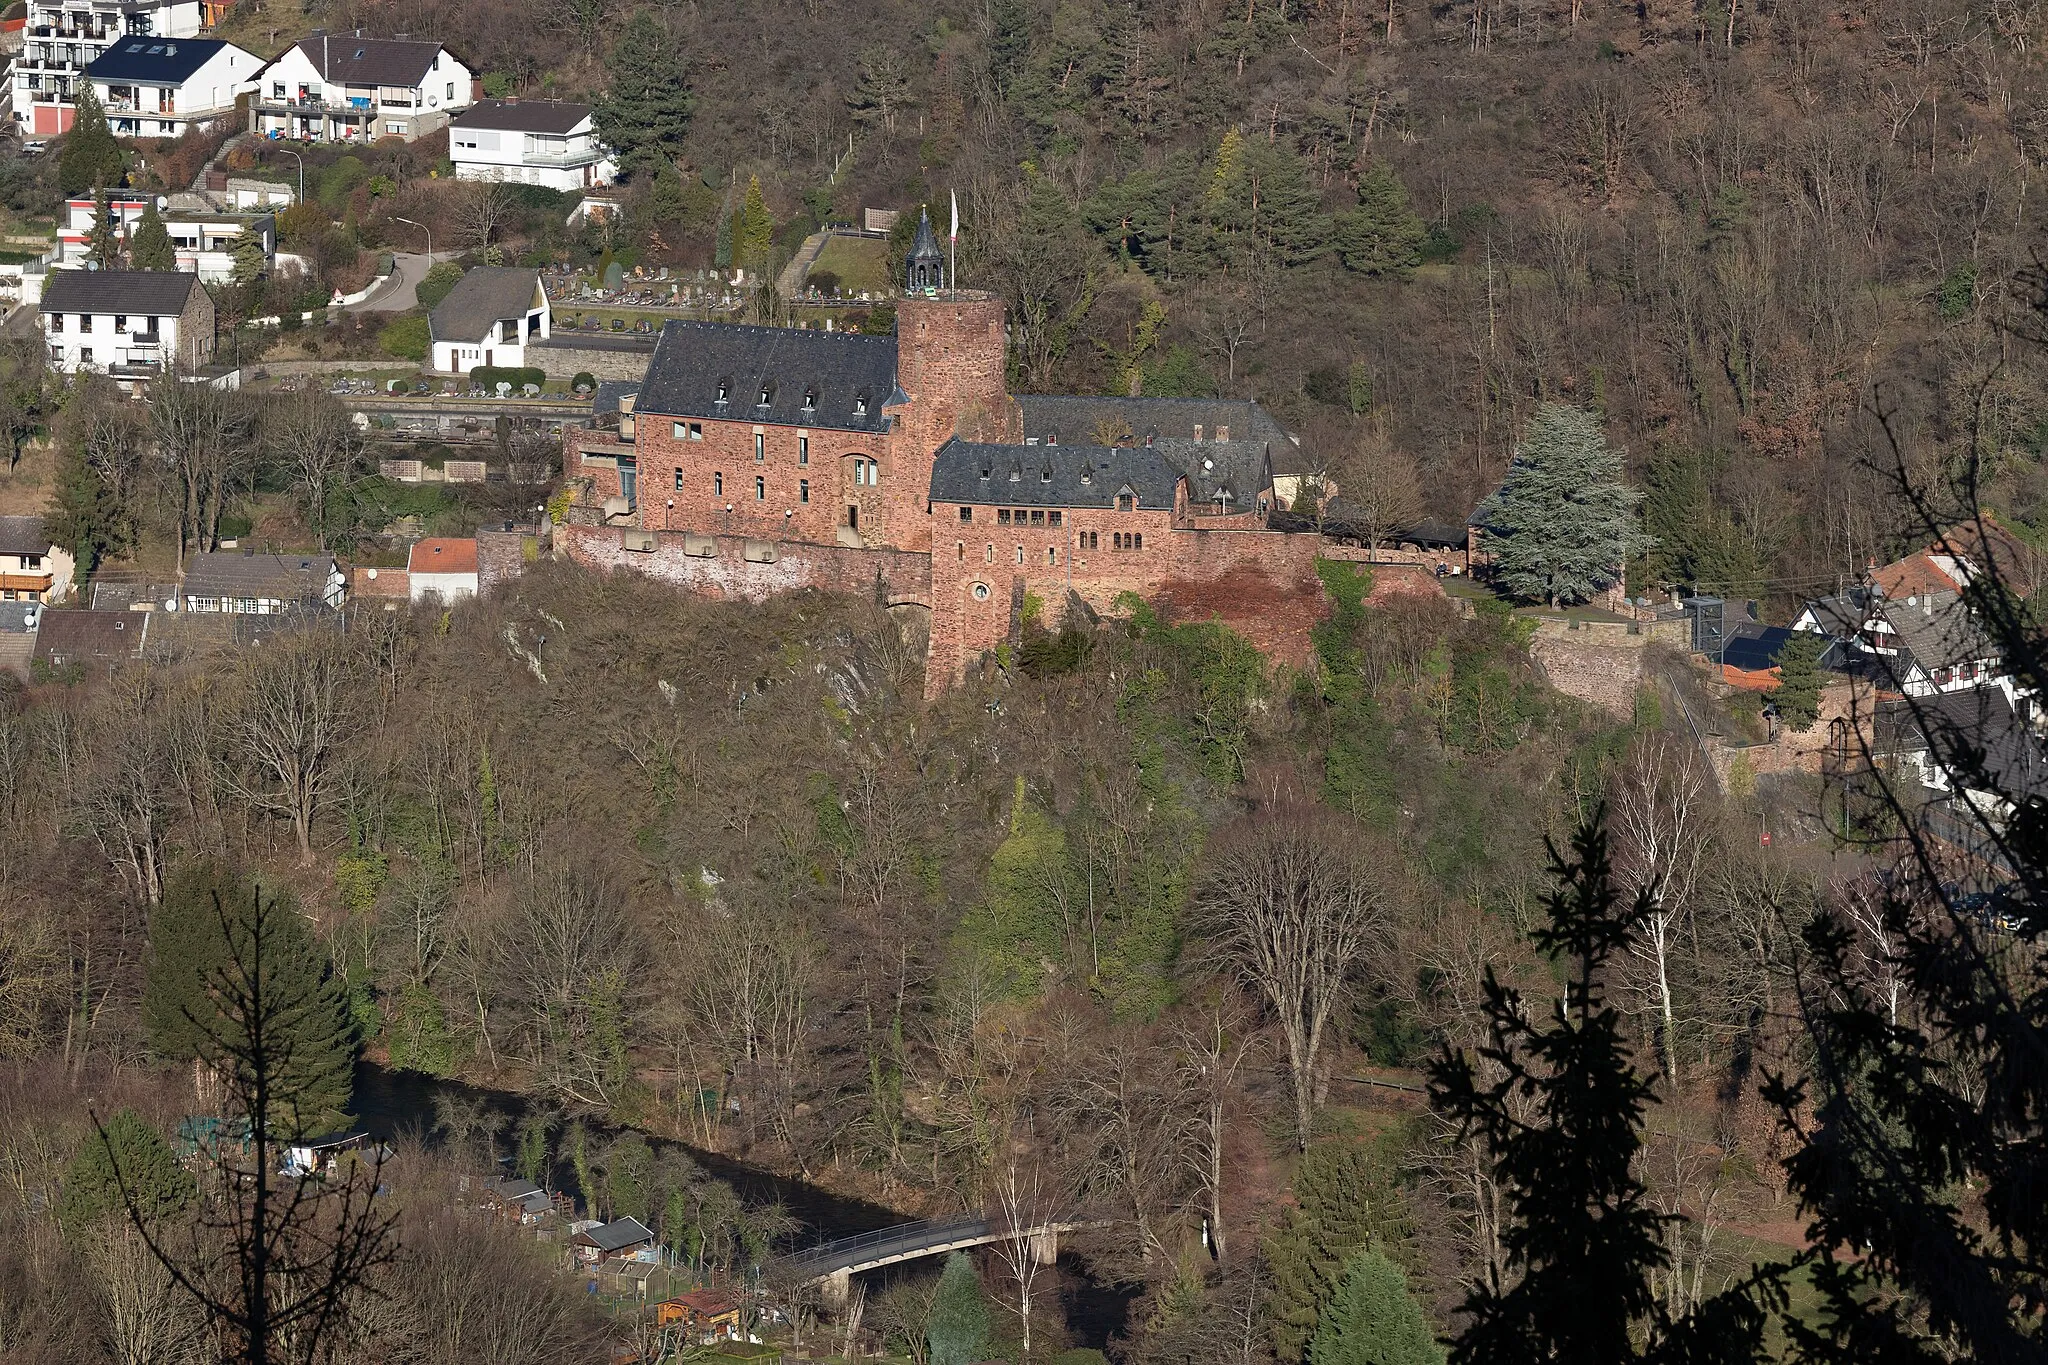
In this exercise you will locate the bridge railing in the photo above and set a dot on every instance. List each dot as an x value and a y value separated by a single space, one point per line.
936 1231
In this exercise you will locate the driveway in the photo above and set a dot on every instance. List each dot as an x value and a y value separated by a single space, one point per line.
400 291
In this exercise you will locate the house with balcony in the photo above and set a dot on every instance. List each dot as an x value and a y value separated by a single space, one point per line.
344 87
488 318
128 324
64 37
162 87
203 240
32 568
529 142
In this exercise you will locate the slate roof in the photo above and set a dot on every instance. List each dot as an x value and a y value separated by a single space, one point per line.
23 536
835 368
617 1235
1051 476
511 1189
161 293
1753 648
69 635
557 117
1077 418
15 617
285 578
610 391
1939 631
154 61
1241 469
346 59
481 299
1978 719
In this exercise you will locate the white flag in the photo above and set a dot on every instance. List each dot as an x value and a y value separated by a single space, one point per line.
956 214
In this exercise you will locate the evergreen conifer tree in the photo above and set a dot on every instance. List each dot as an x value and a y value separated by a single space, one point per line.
644 115
88 519
197 935
1374 1320
1799 680
1344 1201
957 1330
90 158
1563 523
250 262
150 246
1383 235
127 1158
1010 43
753 230
103 242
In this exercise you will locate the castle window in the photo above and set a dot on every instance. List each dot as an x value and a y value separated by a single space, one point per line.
760 489
967 514
1002 516
718 485
724 390
1137 540
1038 518
961 547
989 556
1090 540
803 450
811 400
1052 556
1126 502
679 431
860 404
803 490
1052 518
679 481
1020 554
1116 540
981 592
696 431
760 447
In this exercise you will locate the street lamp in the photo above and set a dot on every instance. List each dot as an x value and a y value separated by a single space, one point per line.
302 170
423 228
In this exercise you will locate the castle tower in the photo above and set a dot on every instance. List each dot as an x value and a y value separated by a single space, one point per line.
926 265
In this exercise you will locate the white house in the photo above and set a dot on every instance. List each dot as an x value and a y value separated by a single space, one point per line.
261 585
529 142
161 87
126 323
442 567
64 37
32 569
203 241
488 318
343 87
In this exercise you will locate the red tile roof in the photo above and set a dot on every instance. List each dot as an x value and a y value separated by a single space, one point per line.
443 555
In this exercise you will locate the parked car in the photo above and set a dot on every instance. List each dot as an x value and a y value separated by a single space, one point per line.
34 148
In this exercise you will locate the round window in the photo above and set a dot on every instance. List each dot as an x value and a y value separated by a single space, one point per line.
981 592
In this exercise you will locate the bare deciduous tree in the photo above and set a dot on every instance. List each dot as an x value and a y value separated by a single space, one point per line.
295 712
312 435
1663 802
1292 902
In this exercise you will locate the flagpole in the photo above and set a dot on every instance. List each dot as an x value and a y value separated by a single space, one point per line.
953 245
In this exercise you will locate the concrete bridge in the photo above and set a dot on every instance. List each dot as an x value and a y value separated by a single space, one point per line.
834 1264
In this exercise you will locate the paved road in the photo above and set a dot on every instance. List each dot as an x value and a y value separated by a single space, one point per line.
399 292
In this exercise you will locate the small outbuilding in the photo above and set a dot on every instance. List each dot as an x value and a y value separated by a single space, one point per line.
443 567
489 318
622 1239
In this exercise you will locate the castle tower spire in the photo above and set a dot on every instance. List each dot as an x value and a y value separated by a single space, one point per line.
926 264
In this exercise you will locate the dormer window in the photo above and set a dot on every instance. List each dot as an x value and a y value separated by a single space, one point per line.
811 400
1052 438
1045 474
767 395
860 404
724 390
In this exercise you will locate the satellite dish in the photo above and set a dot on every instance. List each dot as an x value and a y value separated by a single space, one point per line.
433 100
170 604
163 202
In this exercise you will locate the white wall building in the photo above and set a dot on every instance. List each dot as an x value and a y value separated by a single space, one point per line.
488 319
126 323
343 87
162 87
529 142
443 568
204 241
63 37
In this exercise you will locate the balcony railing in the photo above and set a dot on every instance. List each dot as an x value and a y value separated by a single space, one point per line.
586 157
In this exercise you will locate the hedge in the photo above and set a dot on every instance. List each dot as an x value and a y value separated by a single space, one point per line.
488 377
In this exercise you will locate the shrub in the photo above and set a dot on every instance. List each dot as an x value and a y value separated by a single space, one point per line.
584 382
438 284
488 377
407 338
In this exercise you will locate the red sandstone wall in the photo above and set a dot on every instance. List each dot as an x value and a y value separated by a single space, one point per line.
728 574
949 362
727 450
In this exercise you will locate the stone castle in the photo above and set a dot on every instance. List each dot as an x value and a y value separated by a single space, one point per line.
756 460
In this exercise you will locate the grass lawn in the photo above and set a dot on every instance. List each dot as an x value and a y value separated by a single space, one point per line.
861 263
29 487
265 28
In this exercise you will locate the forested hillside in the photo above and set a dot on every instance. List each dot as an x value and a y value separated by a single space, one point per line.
1734 229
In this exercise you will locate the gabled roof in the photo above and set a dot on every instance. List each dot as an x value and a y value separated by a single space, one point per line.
23 536
284 578
444 554
347 59
617 1235
512 1189
1923 571
69 635
1052 476
837 371
557 117
481 299
162 293
1079 419
1979 720
610 391
1939 630
1240 469
155 61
